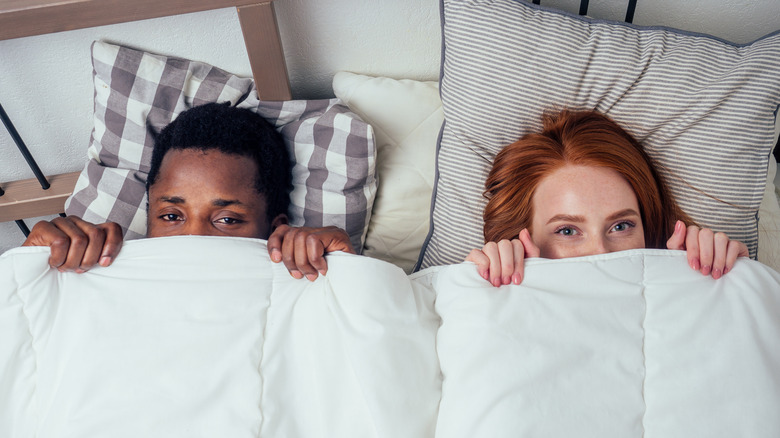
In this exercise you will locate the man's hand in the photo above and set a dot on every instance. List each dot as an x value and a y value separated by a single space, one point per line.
303 249
77 245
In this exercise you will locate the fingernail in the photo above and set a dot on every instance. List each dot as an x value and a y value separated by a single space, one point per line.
296 275
695 264
80 271
105 261
484 275
516 279
725 270
276 256
311 277
322 273
496 282
706 270
716 273
506 280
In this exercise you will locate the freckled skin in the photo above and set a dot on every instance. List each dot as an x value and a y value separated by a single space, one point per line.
583 210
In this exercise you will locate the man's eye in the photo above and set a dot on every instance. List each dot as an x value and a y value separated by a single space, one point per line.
170 217
229 220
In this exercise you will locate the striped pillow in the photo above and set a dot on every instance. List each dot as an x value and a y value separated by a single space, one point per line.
138 93
702 107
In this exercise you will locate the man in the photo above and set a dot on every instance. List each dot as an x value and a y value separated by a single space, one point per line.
216 170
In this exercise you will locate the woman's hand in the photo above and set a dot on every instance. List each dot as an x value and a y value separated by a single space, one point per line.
502 262
302 249
709 252
77 245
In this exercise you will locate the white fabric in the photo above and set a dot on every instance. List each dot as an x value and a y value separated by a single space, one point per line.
406 116
196 336
205 337
632 344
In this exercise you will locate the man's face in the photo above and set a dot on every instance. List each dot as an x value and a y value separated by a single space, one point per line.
206 193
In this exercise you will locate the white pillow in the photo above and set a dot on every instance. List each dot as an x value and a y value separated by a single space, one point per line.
406 116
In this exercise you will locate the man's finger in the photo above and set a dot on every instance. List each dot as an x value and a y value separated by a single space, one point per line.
275 243
315 250
113 243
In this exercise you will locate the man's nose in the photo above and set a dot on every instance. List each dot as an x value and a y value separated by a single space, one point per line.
199 228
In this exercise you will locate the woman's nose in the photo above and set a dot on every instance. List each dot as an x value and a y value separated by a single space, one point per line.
598 245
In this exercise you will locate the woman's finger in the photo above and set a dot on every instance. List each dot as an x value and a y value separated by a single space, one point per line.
706 250
519 256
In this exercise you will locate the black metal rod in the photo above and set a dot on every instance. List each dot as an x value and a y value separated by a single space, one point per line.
23 227
23 149
630 11
584 7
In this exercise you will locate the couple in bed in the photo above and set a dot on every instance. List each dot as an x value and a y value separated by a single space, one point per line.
582 186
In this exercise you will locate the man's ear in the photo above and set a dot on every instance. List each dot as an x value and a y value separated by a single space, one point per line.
279 220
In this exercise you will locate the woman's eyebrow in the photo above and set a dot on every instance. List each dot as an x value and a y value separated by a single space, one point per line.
623 213
566 218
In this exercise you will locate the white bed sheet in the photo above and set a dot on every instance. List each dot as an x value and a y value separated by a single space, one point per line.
195 336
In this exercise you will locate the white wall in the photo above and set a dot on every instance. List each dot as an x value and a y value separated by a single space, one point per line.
45 81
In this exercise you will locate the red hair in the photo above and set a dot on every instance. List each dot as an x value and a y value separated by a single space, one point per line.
586 138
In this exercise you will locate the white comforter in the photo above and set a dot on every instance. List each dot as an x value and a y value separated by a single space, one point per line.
195 336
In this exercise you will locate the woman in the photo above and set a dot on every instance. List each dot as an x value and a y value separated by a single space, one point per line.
584 186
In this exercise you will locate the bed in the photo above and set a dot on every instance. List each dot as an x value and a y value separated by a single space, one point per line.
626 344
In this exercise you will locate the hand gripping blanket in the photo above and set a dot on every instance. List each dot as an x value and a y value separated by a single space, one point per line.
198 336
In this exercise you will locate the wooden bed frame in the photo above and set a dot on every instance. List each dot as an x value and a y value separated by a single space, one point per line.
21 18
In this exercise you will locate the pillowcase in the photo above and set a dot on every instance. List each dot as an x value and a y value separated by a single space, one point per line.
702 107
138 93
406 116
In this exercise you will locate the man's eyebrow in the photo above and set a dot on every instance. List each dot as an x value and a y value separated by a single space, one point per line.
171 199
225 202
623 213
566 218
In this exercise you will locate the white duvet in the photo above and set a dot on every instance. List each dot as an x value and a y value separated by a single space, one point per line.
196 337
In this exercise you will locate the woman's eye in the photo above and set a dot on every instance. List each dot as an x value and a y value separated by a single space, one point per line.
622 226
566 231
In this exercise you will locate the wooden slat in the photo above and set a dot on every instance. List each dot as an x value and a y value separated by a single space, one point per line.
25 198
20 18
264 47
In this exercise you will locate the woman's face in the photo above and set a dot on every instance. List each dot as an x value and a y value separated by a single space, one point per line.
583 210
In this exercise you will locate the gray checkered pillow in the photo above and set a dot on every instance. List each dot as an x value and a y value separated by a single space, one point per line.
703 108
138 92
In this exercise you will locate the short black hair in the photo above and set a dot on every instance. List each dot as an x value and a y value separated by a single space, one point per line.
234 131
